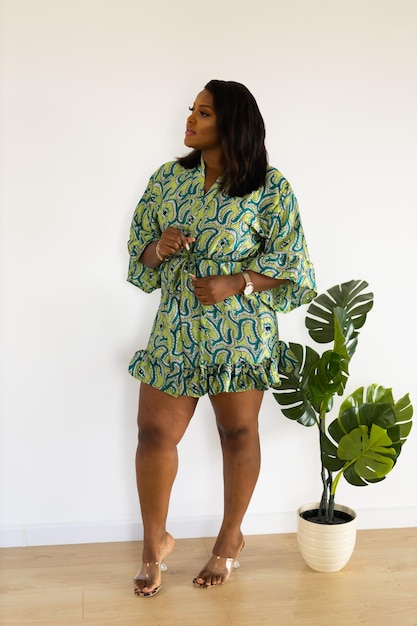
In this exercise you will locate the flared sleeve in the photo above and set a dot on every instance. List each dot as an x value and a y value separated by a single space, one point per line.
285 254
144 229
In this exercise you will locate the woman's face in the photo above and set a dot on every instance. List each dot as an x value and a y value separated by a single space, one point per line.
201 131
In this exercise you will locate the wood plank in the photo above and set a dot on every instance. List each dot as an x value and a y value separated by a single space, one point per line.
91 585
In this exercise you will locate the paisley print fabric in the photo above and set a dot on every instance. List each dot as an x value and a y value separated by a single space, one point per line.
233 345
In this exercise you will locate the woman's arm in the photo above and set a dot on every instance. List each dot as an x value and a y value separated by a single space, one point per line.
169 243
214 289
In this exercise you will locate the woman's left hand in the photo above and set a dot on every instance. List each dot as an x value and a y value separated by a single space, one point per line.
214 289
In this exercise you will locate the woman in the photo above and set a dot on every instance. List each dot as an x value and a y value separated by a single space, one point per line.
219 232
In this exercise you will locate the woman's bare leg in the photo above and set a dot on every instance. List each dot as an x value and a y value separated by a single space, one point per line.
237 422
162 421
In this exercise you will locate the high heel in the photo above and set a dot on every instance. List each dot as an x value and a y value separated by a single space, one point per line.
217 570
148 572
151 571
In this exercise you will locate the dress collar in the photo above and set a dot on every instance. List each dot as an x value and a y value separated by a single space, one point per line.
202 178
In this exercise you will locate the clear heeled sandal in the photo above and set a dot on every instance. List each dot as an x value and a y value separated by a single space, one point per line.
218 568
147 573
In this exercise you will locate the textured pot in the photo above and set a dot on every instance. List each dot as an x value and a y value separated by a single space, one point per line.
324 547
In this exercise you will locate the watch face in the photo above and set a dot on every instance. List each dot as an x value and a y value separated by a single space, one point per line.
248 290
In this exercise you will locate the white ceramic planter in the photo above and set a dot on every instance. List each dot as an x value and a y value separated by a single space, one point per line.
326 548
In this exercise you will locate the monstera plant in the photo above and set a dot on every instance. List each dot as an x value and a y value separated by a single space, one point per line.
365 440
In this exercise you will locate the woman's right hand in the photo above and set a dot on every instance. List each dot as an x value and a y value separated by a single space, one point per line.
172 240
169 243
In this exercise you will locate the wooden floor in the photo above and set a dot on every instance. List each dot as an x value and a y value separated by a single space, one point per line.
91 585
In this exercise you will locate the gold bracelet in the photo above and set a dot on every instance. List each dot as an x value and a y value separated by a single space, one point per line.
157 250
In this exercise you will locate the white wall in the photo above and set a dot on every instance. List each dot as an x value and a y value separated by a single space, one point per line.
94 98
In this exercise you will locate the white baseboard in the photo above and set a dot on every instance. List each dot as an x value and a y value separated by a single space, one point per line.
62 534
106 532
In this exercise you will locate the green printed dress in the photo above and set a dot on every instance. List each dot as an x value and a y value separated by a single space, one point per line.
194 349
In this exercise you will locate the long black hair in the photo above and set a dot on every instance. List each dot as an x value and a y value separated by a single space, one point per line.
242 138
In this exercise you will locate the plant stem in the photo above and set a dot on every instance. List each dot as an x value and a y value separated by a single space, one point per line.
340 474
326 510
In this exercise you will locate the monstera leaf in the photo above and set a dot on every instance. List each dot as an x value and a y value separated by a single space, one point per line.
347 296
327 377
370 431
366 414
308 389
398 422
293 393
369 454
403 410
329 456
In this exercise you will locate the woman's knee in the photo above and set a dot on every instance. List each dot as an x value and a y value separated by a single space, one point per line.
159 430
237 415
237 435
152 434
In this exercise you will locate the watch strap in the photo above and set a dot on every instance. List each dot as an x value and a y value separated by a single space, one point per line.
248 281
